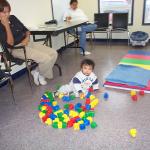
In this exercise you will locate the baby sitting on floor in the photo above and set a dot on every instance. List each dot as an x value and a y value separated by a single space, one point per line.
82 80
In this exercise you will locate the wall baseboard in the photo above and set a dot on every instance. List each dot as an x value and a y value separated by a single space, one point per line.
113 40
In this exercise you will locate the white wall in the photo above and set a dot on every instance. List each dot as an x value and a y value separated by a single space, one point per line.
59 8
31 12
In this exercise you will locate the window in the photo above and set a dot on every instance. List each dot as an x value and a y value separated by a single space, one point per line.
146 12
116 6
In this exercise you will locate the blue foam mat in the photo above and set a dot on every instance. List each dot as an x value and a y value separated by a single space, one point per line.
129 75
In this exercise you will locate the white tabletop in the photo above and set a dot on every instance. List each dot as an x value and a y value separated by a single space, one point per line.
54 27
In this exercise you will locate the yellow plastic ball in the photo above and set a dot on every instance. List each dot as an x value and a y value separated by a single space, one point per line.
56 120
90 119
66 119
60 96
132 93
43 108
82 114
59 125
65 115
80 122
48 122
92 97
41 114
133 133
54 103
76 126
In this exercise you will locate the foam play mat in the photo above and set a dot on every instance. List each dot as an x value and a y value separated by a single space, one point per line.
132 72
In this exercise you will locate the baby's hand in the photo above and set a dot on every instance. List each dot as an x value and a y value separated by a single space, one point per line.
82 95
102 90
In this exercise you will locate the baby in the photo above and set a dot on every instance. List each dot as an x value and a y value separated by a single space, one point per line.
82 81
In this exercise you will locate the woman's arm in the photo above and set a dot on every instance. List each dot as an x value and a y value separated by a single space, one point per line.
25 41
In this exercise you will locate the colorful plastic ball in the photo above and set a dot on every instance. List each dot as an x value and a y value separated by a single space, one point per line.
91 89
133 132
134 98
86 122
44 118
66 106
55 125
82 126
78 105
90 119
40 107
64 125
54 103
72 97
71 106
52 116
106 96
82 114
76 126
60 96
93 125
66 98
69 124
44 97
48 122
88 95
66 111
59 125
92 97
142 93
133 92
55 108
41 114
43 108
59 114
77 120
88 107
87 101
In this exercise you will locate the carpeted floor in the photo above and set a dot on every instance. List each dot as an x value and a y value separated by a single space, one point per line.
21 129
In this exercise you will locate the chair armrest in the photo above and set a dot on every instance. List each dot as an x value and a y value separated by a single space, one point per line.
18 47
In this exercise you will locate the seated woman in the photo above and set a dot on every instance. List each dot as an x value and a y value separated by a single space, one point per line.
76 14
13 32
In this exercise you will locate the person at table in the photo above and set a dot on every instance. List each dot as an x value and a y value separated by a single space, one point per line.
76 14
13 33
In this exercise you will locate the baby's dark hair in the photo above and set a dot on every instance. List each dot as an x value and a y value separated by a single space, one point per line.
73 1
88 62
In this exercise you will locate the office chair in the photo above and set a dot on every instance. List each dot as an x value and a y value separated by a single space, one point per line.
102 21
119 24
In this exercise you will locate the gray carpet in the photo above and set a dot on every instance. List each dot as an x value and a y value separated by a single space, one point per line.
21 129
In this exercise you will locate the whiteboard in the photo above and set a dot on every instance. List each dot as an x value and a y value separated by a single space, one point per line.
31 12
59 8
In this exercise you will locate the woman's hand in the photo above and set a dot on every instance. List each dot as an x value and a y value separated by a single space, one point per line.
68 19
4 20
25 41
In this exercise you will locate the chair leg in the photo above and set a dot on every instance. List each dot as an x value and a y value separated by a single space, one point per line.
128 38
28 69
110 38
91 38
12 89
59 68
67 39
